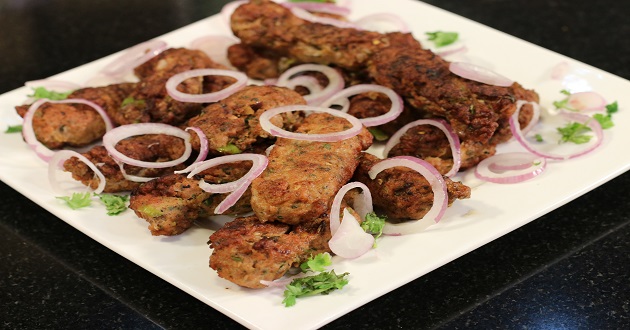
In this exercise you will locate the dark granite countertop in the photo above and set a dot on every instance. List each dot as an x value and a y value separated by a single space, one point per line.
569 269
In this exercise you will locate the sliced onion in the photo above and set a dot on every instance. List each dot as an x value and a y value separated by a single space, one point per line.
335 81
203 143
175 80
56 163
479 74
576 117
237 187
319 7
396 21
129 177
215 46
362 204
393 113
111 138
586 101
274 130
29 134
438 186
559 71
535 115
305 15
513 167
134 57
350 240
445 127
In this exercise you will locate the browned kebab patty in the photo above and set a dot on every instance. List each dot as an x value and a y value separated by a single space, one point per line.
303 177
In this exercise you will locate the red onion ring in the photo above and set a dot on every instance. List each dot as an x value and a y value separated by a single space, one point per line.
513 167
305 15
111 138
477 73
175 80
586 101
319 7
274 130
395 20
438 186
41 150
445 127
56 163
335 81
393 113
203 142
362 205
129 177
134 57
584 119
535 115
237 187
350 240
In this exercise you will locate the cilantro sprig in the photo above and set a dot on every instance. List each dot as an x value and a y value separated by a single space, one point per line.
322 283
442 38
374 224
14 129
114 204
43 93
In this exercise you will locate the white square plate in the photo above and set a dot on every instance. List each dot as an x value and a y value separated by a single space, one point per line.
493 210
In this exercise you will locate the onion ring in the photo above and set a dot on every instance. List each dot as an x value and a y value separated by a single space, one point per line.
134 57
480 74
513 167
274 130
362 205
445 127
56 162
393 113
438 186
399 24
28 132
237 187
111 138
584 119
350 240
175 80
203 143
335 81
319 7
305 15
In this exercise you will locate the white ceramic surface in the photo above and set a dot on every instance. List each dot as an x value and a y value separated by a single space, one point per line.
493 210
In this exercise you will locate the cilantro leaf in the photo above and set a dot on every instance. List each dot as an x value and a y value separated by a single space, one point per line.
43 93
114 204
230 149
441 38
131 100
373 224
77 200
574 132
378 134
317 263
612 108
14 129
606 120
322 283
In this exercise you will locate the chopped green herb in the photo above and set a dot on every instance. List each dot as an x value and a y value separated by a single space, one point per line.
229 149
373 224
77 200
322 283
114 204
317 263
574 132
538 138
14 129
606 119
441 38
43 93
378 134
151 211
132 101
564 103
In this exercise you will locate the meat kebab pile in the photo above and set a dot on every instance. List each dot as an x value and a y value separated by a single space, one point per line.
287 207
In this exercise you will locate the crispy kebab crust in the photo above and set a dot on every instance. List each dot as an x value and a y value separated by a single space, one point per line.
303 177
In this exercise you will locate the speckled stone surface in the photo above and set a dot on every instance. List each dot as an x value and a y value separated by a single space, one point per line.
570 269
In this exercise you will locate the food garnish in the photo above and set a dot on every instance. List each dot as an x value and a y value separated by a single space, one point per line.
114 204
77 200
322 283
442 38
